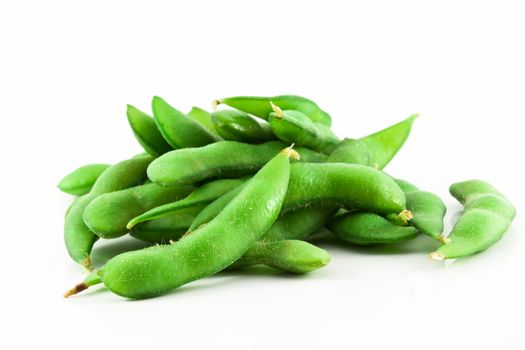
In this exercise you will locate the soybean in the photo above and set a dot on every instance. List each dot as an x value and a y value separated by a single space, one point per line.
485 219
203 118
81 180
239 126
352 152
146 132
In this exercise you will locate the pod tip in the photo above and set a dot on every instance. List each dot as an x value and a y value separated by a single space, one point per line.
291 153
214 104
278 111
443 239
437 256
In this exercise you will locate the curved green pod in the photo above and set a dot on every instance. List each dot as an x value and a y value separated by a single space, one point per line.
108 214
353 186
81 180
260 106
234 125
352 152
202 195
146 132
486 217
295 127
179 130
77 236
384 145
156 270
221 159
203 118
428 210
293 256
369 228
167 228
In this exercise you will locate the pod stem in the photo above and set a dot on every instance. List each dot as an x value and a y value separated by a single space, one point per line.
278 111
443 239
291 153
87 264
214 104
437 256
91 280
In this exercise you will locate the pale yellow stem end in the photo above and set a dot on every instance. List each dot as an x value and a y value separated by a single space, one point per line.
436 256
278 111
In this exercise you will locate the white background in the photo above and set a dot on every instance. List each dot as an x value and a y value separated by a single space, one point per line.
68 69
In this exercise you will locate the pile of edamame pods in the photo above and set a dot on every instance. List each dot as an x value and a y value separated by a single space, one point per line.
247 185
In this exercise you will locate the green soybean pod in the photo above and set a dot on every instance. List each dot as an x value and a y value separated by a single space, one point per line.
353 186
351 151
77 236
239 126
146 132
486 217
260 106
108 214
179 130
202 195
295 127
293 256
220 159
369 228
167 228
156 270
427 208
81 180
203 118
384 145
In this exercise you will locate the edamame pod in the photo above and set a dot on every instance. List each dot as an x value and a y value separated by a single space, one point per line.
485 219
352 152
292 256
179 130
220 159
260 106
77 236
384 145
202 195
239 126
146 132
108 214
353 186
295 127
203 118
369 228
156 270
167 228
428 210
80 180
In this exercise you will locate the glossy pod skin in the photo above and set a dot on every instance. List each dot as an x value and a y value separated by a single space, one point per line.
352 152
168 228
293 256
77 236
485 219
260 106
108 214
146 132
208 250
177 129
81 180
384 145
203 118
222 159
353 186
234 125
428 210
369 228
295 127
202 195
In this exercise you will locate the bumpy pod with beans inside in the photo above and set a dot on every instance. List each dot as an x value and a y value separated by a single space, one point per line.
353 186
234 125
427 208
485 219
108 214
260 106
220 159
168 228
369 228
202 195
295 127
352 152
179 130
292 256
77 236
203 118
384 145
81 180
146 132
208 250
